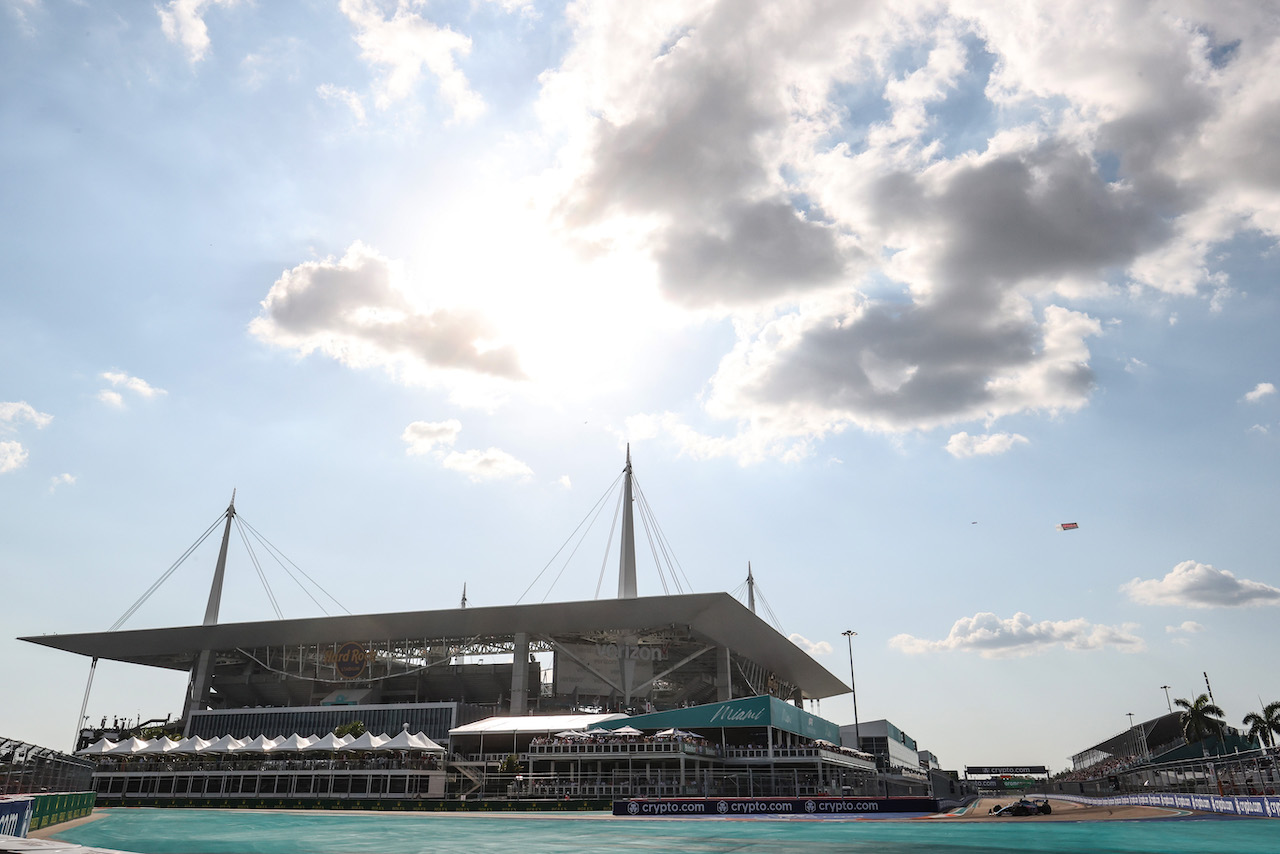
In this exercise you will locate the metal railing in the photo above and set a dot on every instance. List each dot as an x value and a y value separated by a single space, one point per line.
31 769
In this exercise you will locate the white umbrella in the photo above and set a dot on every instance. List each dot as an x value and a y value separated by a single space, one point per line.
627 730
99 747
571 733
294 742
129 747
328 741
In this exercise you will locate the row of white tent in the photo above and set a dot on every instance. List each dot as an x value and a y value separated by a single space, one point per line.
418 742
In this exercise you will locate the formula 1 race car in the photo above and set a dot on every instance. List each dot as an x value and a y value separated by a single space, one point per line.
1022 807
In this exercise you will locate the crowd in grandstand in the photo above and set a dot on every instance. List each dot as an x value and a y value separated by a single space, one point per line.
1105 768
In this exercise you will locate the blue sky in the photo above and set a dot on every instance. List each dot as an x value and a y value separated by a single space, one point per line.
878 295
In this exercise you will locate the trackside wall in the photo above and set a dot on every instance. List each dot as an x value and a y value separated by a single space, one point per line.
1258 807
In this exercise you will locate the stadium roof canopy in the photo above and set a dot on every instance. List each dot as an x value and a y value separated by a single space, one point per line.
535 724
709 618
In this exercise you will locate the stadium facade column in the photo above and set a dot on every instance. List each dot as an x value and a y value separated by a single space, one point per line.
520 675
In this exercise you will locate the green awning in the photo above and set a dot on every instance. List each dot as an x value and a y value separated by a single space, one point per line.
747 712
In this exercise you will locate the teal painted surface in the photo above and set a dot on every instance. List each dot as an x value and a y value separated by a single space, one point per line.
235 832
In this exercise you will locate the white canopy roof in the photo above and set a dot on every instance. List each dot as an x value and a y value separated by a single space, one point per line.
102 745
405 740
294 742
329 741
163 744
368 741
259 744
532 724
194 744
130 747
226 744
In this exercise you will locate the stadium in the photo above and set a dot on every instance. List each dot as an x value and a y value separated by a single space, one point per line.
702 665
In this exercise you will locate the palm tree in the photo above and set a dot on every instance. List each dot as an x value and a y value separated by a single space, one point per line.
1264 727
1200 718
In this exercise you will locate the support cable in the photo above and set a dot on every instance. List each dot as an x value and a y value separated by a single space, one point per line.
672 561
593 510
653 548
262 576
165 576
277 554
608 546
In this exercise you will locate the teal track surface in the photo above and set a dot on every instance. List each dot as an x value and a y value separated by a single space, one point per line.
170 831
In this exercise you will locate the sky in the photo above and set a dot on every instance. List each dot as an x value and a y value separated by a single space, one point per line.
880 294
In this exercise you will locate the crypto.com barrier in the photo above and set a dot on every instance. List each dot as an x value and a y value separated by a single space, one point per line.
729 807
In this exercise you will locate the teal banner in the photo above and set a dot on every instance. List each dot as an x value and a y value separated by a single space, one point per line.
759 711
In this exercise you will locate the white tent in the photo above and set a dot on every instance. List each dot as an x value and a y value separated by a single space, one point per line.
194 744
128 748
260 744
406 740
163 744
226 744
99 747
368 741
328 741
294 742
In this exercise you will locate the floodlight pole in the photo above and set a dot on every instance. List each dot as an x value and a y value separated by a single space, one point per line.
1167 701
853 686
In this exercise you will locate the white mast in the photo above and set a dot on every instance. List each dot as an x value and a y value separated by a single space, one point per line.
751 589
627 564
202 671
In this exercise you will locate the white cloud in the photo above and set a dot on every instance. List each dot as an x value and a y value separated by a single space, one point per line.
1018 636
63 479
814 648
12 456
563 480
346 97
1189 627
1260 391
20 10
526 8
422 437
963 445
882 270
354 310
12 412
406 43
111 398
182 22
136 385
1133 365
1200 585
492 464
